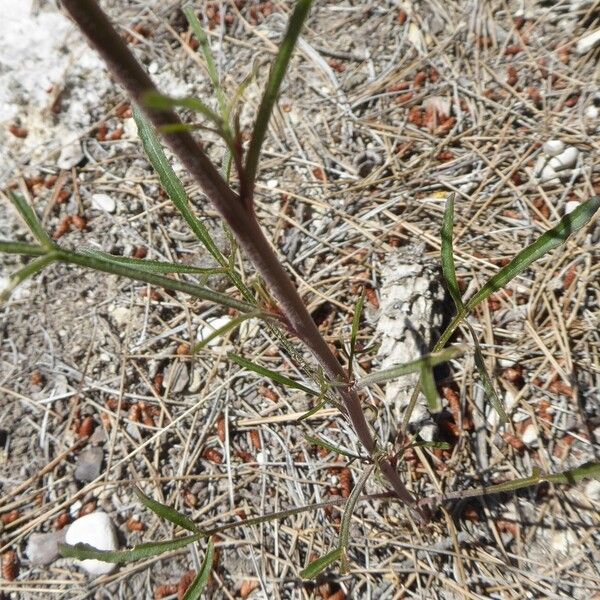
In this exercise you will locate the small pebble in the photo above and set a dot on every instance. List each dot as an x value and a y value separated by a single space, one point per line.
565 160
564 541
592 490
570 206
529 436
548 175
586 43
261 458
95 529
554 147
210 327
88 464
70 156
42 548
104 202
591 112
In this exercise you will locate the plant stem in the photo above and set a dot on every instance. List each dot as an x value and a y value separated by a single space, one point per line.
239 216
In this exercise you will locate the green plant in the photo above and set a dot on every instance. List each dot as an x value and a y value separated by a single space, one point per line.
281 307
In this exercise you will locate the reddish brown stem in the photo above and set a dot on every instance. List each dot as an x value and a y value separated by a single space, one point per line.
238 215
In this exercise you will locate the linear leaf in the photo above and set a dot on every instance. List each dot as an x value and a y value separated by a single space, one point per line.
449 272
354 332
347 517
173 185
31 220
211 67
568 225
429 389
433 359
23 248
195 590
320 564
278 69
316 441
448 268
84 551
31 268
273 375
166 512
153 266
233 324
160 101
192 289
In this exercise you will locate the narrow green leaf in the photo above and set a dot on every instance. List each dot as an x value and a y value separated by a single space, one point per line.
159 101
316 441
320 564
433 359
273 375
347 517
429 390
354 332
173 185
568 225
195 590
23 248
449 272
315 409
166 512
448 268
31 220
152 266
100 264
440 445
486 381
84 551
278 69
589 470
211 67
33 267
233 324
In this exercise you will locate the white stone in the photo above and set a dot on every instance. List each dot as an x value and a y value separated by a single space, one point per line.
272 184
261 458
553 147
529 436
121 315
104 202
592 490
427 432
42 548
70 155
548 175
210 327
95 529
570 206
565 160
130 128
591 112
586 43
153 67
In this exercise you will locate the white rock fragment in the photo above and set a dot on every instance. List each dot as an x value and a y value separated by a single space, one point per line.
592 490
70 155
272 184
261 458
104 202
529 435
553 147
565 160
210 327
548 175
130 128
95 529
42 548
591 112
121 315
570 206
586 43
